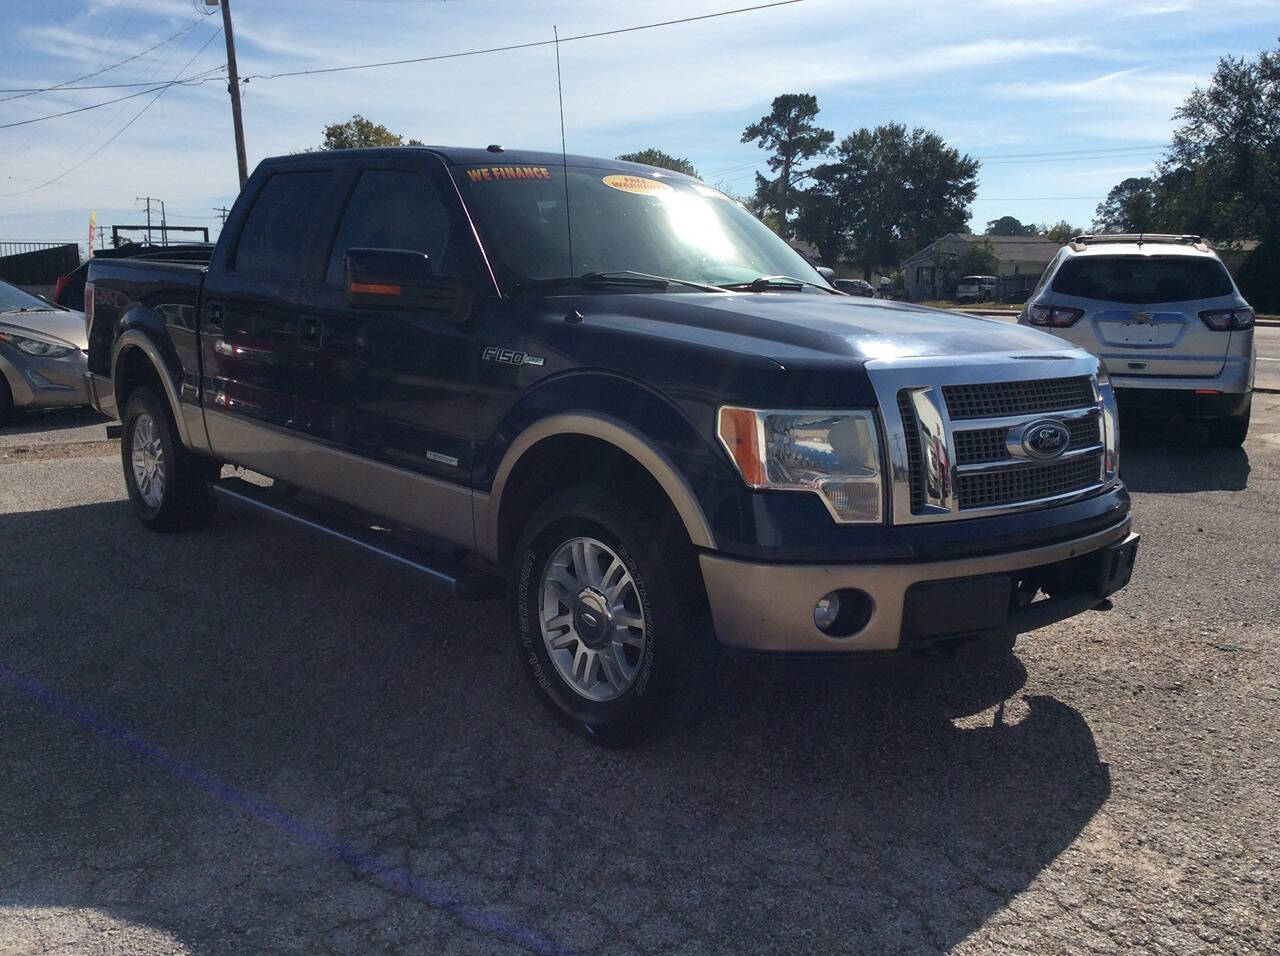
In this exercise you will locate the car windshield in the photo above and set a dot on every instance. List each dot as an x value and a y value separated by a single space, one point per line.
1140 279
13 299
620 222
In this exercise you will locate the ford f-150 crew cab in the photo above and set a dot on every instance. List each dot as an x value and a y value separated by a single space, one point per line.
612 392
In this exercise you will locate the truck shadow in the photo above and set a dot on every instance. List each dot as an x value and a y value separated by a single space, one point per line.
245 740
1174 456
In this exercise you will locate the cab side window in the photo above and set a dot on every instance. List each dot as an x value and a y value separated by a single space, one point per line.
395 209
273 240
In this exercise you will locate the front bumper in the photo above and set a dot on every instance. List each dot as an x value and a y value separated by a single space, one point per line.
768 608
43 382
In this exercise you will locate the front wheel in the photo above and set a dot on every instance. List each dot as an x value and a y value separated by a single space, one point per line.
609 615
167 484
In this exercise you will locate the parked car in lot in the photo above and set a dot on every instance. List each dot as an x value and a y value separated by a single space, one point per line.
1165 317
855 287
42 354
612 393
977 289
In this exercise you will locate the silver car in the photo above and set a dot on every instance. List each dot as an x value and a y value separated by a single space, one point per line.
42 354
1165 317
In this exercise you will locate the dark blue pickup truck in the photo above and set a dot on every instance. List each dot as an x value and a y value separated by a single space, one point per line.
609 392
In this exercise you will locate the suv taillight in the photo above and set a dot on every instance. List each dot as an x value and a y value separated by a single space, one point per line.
88 307
1226 320
1059 318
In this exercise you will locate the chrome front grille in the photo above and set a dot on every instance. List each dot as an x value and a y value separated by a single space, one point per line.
992 444
1001 399
986 489
961 445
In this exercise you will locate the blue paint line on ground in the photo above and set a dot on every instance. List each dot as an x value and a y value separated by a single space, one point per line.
391 876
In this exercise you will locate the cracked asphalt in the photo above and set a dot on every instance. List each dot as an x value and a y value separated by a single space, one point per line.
247 740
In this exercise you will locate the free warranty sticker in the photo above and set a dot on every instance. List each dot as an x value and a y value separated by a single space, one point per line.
637 184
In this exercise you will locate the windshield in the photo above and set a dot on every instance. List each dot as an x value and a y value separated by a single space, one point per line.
12 299
1138 279
620 222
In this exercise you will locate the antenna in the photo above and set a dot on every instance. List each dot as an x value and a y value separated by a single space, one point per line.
564 154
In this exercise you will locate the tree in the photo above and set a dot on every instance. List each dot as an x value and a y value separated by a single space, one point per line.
888 191
788 132
359 132
1009 226
978 259
1230 140
1132 206
1061 231
656 157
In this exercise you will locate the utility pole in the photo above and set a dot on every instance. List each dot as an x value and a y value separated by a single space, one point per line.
164 226
222 213
148 199
233 86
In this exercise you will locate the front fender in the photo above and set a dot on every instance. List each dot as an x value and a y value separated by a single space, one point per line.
628 415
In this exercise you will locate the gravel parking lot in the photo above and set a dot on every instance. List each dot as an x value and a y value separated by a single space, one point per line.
245 740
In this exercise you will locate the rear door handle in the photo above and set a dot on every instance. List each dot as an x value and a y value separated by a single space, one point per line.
215 316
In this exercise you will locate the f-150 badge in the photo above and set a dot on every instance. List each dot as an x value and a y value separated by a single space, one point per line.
509 356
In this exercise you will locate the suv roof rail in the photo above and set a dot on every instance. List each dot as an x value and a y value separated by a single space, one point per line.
1138 238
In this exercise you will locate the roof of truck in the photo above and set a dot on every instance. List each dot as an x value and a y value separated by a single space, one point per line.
483 156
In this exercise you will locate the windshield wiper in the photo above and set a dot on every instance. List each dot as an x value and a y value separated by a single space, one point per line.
27 308
623 277
765 283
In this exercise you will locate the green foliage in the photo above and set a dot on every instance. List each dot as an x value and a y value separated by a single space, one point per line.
1131 206
978 259
888 192
358 132
1009 226
1061 231
790 135
1226 153
656 157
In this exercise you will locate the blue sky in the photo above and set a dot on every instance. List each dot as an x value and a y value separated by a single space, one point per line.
1003 80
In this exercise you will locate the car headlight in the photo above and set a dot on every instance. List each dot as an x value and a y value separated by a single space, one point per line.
38 347
834 454
1110 421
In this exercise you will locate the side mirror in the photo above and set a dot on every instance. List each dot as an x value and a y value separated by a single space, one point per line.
402 280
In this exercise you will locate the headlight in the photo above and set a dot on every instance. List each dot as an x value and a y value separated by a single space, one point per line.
1110 421
835 455
36 346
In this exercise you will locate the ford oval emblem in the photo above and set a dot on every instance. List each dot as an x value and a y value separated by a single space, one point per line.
1045 439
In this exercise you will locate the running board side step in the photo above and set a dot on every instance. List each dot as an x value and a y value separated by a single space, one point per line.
441 566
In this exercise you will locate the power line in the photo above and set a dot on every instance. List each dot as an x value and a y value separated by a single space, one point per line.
120 132
95 86
522 46
195 80
60 86
1074 152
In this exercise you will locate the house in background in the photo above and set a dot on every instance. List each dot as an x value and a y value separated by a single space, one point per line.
931 273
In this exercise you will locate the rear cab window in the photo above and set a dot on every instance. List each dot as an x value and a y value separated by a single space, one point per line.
1142 279
273 241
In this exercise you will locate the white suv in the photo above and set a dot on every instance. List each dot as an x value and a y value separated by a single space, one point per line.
1165 317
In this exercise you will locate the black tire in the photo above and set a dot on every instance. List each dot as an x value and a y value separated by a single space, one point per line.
6 402
1229 432
184 501
676 669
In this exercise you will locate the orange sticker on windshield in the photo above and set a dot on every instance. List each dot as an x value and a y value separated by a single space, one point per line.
636 184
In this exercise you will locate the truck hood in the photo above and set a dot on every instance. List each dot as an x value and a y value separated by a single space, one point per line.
790 326
66 326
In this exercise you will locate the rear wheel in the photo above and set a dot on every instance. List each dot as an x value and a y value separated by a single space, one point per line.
609 616
1230 432
167 484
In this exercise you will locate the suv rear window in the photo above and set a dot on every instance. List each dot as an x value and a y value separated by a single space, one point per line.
1139 279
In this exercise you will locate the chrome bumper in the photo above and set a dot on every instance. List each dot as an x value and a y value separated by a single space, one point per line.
763 607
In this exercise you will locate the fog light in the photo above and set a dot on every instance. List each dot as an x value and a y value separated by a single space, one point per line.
827 612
